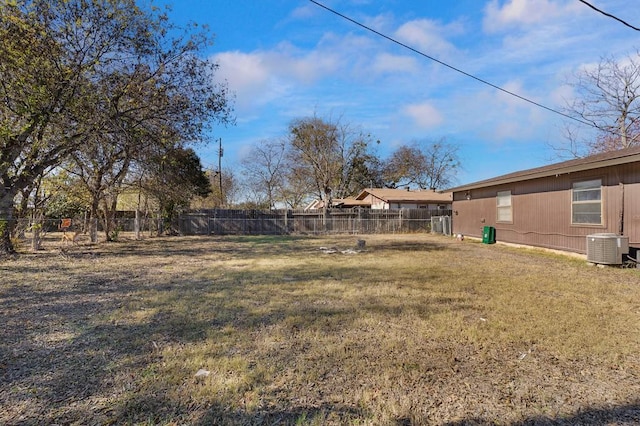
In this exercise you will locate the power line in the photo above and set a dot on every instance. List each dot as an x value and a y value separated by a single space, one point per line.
458 70
609 15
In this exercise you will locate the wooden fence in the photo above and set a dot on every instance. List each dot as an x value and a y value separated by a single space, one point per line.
282 222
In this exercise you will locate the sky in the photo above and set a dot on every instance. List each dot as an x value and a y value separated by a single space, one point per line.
290 59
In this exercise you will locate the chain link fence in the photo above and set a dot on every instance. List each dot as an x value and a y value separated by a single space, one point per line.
37 234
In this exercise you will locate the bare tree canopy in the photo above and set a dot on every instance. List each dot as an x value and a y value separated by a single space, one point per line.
325 160
606 95
331 154
427 165
264 169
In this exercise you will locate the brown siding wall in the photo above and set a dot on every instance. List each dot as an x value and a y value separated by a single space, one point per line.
541 209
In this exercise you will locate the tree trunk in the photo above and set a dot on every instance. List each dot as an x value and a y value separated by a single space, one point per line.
160 229
136 224
37 223
325 209
7 222
109 219
167 212
93 220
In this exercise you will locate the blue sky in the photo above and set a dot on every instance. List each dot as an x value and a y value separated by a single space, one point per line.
286 59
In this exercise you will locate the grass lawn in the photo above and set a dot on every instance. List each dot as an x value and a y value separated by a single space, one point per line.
416 329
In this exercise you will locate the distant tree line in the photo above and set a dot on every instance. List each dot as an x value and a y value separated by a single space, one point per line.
327 159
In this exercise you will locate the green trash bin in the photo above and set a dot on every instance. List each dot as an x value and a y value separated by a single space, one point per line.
488 235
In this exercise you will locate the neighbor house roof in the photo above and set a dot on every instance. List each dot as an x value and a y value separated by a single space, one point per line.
350 202
338 202
605 159
402 195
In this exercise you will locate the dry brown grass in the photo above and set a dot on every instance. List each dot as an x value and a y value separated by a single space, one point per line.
415 330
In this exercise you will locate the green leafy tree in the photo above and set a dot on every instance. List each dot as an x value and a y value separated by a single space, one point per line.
174 178
78 72
67 197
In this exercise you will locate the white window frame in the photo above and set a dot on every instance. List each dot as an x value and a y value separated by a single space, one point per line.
504 207
586 193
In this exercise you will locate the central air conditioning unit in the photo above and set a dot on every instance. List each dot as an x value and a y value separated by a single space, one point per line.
606 248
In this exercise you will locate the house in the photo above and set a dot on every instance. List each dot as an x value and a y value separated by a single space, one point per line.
385 199
342 203
558 205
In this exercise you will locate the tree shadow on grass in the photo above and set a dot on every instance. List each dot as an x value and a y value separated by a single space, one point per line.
93 337
60 378
408 246
255 246
246 247
299 415
594 416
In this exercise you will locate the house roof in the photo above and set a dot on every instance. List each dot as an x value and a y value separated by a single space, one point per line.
338 202
402 195
314 204
605 159
350 202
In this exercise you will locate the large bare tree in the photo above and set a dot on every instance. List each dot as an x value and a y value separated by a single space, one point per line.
607 96
427 165
264 170
329 154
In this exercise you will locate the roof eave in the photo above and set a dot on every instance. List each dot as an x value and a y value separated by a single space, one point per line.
537 174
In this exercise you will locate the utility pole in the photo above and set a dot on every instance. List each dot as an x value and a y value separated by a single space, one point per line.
220 153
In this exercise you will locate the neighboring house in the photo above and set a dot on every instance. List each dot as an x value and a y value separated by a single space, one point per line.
350 202
556 206
315 205
384 198
342 203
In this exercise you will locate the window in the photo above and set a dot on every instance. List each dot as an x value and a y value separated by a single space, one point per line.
586 202
503 204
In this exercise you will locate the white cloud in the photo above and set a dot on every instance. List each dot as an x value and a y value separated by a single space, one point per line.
380 22
242 69
518 12
251 79
509 100
424 114
507 129
388 63
427 35
259 77
304 12
561 95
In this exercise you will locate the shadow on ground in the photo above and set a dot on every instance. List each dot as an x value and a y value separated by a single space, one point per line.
63 348
595 416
